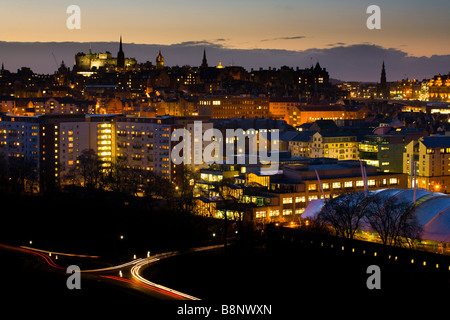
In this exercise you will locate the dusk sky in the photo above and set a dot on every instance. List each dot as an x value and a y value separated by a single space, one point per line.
417 28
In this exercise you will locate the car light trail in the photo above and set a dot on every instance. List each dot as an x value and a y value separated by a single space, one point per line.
61 254
171 293
135 273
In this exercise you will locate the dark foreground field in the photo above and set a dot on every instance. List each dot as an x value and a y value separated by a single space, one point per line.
293 275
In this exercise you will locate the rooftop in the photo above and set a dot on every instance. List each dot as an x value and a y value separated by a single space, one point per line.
437 141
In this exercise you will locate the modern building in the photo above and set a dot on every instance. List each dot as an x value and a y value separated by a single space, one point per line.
431 209
431 157
384 148
283 197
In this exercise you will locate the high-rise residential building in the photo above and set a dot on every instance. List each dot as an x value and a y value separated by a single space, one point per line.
49 146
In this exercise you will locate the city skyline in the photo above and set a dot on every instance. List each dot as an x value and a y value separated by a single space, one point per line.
251 154
249 34
346 63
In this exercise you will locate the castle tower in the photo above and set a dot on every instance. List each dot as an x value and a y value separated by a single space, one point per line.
159 61
120 56
204 61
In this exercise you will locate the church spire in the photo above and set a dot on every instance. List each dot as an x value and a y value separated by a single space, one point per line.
204 61
120 56
384 89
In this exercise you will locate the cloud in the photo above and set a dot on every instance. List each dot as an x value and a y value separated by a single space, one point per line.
196 43
284 38
336 44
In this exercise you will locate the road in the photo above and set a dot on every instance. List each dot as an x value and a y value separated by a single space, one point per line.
126 275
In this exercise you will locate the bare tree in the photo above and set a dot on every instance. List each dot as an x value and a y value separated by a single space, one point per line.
393 220
89 168
343 213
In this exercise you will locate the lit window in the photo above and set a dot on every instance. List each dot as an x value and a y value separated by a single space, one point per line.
287 200
274 213
393 181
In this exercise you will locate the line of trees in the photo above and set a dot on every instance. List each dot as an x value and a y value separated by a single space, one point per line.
91 173
392 219
18 174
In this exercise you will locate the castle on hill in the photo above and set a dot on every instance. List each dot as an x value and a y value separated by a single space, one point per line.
94 61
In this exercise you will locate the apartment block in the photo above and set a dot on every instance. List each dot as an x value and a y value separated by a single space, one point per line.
313 144
431 156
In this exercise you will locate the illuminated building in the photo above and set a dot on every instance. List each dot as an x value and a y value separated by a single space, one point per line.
407 90
283 197
385 147
431 156
313 144
85 63
439 88
225 107
437 107
20 145
338 145
305 114
144 143
159 61
279 107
